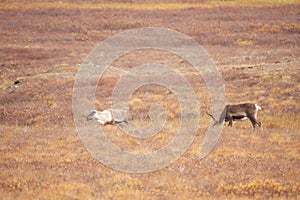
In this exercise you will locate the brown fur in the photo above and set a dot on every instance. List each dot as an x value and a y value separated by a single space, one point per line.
237 113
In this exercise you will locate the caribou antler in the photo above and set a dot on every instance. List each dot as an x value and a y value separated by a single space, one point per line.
238 112
215 121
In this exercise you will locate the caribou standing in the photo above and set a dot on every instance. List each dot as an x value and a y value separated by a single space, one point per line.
238 112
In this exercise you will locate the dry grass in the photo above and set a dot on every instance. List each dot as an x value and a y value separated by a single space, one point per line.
144 6
41 155
269 188
38 163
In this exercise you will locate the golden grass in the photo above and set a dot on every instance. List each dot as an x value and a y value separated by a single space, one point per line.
42 149
65 190
142 6
267 187
283 122
48 161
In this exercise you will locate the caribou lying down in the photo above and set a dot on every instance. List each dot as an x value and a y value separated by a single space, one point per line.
238 112
109 116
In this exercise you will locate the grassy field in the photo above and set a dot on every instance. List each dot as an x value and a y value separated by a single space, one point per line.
171 5
255 47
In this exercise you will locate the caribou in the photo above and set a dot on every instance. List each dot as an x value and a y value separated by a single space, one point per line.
238 112
110 116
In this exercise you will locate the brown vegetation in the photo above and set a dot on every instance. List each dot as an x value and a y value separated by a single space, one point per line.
255 47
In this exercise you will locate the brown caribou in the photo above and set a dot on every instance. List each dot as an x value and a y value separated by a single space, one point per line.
238 112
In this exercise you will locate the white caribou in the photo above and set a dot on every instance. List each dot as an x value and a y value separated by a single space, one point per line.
110 116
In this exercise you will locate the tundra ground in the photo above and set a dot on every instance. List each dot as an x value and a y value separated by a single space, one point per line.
254 46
